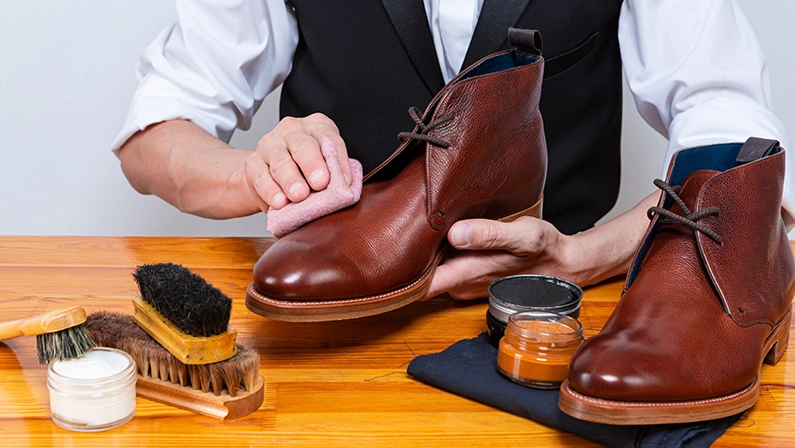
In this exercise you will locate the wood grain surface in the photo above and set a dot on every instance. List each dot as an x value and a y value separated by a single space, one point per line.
331 384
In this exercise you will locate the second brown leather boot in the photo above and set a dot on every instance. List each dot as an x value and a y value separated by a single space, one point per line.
706 302
478 151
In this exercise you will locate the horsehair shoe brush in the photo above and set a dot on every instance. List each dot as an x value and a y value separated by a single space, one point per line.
184 313
59 334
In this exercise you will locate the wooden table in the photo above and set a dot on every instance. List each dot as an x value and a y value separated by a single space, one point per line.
331 384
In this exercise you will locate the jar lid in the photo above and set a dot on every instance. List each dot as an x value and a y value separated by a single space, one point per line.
518 293
549 325
96 368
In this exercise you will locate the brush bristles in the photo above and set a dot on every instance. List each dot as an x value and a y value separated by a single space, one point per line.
118 330
64 344
186 299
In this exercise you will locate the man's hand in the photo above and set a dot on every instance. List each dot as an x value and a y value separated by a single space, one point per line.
288 163
491 249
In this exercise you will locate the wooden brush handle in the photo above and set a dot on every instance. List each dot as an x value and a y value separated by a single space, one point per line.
222 407
45 323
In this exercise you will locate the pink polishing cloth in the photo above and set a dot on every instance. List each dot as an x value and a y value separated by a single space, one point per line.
337 195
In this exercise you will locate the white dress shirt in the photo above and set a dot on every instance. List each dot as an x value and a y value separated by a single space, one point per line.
698 77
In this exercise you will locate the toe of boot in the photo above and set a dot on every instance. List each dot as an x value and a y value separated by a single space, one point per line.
618 368
295 270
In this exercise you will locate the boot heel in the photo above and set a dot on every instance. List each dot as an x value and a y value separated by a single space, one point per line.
780 345
534 211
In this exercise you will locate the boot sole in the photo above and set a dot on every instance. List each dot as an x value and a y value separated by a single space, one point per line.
320 311
611 412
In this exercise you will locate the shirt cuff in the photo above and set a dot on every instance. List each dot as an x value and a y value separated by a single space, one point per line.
145 112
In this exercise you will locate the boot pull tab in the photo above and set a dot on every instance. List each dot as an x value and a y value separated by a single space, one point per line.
756 148
526 41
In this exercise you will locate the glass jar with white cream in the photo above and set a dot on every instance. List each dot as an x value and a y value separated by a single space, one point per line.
93 392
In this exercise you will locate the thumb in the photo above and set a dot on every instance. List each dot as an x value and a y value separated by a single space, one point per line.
519 237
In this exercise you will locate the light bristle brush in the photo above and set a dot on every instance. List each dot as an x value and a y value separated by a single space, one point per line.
226 390
59 334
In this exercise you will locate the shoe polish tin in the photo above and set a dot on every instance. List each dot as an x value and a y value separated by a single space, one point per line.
519 293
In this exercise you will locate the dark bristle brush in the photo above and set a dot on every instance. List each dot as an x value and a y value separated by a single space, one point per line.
184 313
59 334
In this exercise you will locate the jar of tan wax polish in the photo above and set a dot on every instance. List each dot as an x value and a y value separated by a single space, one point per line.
537 347
519 293
93 392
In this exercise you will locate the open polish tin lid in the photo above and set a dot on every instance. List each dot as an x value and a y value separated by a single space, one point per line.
519 293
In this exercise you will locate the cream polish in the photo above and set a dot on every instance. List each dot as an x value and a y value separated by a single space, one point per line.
94 392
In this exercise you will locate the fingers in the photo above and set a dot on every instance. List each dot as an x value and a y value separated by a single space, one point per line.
288 163
293 155
524 236
493 249
264 190
446 278
468 275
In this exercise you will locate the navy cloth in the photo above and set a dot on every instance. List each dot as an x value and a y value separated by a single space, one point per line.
469 368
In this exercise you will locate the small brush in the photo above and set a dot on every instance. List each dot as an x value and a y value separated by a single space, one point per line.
225 390
59 334
187 315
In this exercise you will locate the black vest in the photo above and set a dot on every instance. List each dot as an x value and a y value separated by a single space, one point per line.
364 63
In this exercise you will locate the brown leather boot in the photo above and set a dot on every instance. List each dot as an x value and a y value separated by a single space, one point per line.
478 151
707 300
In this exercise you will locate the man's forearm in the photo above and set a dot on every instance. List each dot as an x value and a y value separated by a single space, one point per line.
607 249
190 169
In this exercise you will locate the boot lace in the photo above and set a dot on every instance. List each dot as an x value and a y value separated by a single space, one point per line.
416 115
690 219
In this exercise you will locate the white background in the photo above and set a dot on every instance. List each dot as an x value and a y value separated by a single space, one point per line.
66 77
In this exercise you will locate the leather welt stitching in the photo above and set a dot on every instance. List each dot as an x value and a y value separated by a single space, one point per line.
668 404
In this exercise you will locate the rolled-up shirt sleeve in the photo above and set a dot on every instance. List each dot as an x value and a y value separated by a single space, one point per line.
214 66
699 76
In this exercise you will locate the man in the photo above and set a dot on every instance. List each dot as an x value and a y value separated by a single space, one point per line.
351 71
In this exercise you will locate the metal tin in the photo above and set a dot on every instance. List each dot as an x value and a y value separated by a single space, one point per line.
519 293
